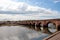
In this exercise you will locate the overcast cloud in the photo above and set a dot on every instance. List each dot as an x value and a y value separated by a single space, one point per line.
22 11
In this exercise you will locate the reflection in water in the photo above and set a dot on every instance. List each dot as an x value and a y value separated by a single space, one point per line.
52 27
20 33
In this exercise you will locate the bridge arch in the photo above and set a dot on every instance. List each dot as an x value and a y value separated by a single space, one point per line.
35 25
46 27
51 26
38 26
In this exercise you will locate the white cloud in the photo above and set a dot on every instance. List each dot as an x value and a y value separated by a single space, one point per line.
9 5
29 12
5 17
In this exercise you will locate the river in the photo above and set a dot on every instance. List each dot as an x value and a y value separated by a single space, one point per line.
20 33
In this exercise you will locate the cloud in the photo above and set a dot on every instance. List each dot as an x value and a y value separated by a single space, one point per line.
15 17
21 7
12 10
56 1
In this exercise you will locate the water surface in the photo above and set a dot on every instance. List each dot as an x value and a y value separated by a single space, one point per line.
20 33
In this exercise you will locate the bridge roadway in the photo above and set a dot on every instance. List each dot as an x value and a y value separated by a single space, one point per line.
36 24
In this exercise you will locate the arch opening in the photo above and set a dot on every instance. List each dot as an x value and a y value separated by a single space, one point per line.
51 27
38 26
41 26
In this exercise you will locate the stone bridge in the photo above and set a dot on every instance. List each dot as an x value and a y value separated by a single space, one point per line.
36 24
42 23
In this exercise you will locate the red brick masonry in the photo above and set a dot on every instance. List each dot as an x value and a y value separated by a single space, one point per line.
36 23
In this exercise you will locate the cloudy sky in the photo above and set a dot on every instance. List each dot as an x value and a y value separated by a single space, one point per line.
29 9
